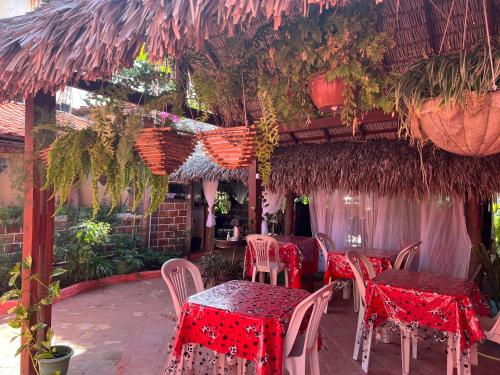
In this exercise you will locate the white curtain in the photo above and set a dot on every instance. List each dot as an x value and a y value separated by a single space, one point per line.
446 246
391 223
271 204
210 192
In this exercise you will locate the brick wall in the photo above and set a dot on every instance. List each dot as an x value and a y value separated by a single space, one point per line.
11 238
127 223
169 226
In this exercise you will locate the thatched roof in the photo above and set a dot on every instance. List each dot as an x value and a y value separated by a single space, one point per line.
67 41
200 167
386 168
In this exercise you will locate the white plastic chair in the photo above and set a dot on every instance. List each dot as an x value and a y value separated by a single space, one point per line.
301 346
405 256
174 272
264 262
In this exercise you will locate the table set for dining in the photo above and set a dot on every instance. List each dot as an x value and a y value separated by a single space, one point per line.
249 320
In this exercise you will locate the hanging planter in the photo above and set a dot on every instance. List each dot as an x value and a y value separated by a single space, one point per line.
164 150
471 128
231 148
326 95
43 155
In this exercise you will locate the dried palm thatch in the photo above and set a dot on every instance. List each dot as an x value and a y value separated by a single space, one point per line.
384 167
200 167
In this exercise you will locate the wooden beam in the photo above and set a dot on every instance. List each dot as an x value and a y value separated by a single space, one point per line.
474 223
38 226
430 27
254 199
335 122
289 213
189 218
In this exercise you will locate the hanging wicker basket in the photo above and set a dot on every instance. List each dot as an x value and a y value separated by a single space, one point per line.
164 150
231 148
326 96
43 155
471 129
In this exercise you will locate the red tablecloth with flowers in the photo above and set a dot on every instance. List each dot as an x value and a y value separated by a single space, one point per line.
337 266
240 318
309 249
290 254
418 299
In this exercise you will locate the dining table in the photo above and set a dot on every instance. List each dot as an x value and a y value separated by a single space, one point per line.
294 251
239 319
337 266
416 300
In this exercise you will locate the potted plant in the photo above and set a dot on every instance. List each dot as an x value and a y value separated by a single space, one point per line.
453 102
491 266
335 56
47 359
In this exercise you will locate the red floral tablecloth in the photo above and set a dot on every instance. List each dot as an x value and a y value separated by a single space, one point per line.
417 299
242 319
337 266
309 249
289 254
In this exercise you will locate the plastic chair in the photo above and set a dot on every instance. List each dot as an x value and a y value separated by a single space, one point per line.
301 346
405 256
326 245
264 263
174 272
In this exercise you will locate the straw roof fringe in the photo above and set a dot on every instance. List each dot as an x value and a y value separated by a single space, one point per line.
386 168
71 40
200 167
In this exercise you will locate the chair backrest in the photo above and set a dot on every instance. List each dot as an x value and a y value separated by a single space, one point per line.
326 244
262 246
405 257
316 302
494 332
358 262
174 272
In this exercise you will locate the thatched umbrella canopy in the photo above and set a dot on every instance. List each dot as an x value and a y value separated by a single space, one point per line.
384 167
67 41
200 167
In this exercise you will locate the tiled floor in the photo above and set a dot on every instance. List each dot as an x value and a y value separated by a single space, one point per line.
125 329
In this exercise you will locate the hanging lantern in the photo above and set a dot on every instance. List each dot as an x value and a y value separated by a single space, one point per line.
326 95
471 129
231 148
164 150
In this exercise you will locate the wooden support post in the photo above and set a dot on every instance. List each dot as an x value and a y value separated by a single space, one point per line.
38 227
254 200
289 213
189 218
474 223
145 222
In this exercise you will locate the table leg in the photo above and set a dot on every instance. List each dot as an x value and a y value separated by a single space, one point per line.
405 350
356 297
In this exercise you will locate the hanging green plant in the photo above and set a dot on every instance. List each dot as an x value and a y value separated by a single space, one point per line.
342 44
266 137
104 151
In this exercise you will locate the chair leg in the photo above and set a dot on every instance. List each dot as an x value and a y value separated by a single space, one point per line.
405 350
295 365
355 297
254 274
414 346
286 277
367 344
359 334
314 361
450 357
274 277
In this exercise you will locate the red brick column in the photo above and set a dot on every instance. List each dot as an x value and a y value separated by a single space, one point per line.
169 226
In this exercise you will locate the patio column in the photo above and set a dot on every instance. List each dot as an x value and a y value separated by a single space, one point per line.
254 199
38 227
289 212
474 223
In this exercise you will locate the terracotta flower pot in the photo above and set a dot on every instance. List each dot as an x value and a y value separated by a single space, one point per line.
163 149
472 129
326 96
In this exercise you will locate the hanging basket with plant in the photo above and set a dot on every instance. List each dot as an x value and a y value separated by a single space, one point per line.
231 148
162 148
453 101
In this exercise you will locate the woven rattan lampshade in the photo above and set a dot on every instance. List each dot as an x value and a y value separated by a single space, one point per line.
163 149
231 148
472 129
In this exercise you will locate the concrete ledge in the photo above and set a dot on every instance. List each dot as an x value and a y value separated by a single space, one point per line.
84 286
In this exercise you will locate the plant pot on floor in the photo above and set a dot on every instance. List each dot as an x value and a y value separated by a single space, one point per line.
469 129
57 365
326 95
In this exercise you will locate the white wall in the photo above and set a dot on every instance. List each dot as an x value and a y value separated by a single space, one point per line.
11 8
